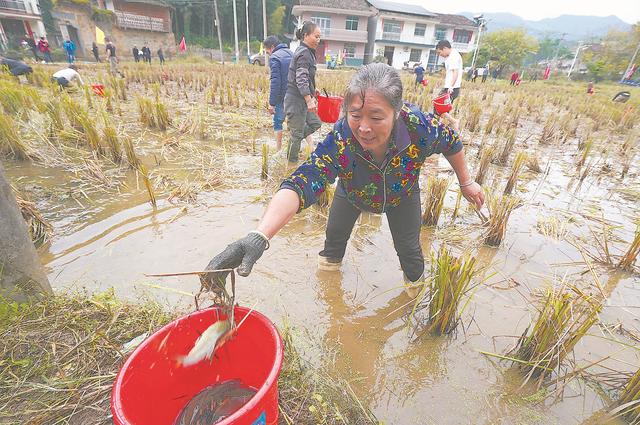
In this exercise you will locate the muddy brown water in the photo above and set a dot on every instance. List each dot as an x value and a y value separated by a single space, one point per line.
356 315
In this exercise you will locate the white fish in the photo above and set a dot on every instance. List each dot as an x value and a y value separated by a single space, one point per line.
206 343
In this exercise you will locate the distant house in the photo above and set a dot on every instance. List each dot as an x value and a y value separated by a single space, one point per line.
409 33
17 18
344 26
126 22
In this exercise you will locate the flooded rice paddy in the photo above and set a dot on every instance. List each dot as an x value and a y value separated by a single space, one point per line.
205 170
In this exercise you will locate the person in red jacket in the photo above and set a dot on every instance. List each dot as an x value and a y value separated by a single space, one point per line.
514 77
43 46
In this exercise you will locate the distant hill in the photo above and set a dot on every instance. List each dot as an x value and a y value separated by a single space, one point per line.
577 27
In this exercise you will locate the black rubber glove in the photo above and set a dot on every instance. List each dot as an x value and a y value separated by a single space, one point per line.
242 254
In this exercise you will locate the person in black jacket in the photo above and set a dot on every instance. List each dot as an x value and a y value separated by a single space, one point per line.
279 60
300 103
136 53
15 67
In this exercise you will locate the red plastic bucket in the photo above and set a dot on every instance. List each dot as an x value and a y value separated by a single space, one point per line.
98 89
442 104
151 388
329 107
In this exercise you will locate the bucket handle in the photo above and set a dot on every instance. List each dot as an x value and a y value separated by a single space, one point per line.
325 92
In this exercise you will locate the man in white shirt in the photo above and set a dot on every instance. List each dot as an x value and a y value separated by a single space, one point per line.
65 76
453 78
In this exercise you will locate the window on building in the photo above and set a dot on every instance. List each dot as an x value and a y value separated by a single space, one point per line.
391 30
352 23
349 50
433 60
324 22
462 36
415 55
440 34
420 30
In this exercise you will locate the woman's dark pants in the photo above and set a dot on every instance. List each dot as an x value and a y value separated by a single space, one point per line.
301 123
404 221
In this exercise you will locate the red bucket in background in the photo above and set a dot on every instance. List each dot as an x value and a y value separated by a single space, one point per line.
329 107
152 389
442 104
98 89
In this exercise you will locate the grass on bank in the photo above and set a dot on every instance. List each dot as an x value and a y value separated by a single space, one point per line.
59 357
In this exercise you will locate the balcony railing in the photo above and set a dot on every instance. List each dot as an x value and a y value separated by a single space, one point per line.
344 35
390 35
461 46
140 22
13 5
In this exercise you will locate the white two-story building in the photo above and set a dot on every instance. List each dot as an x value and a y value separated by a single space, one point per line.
407 33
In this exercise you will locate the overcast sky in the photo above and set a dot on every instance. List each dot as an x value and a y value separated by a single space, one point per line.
627 10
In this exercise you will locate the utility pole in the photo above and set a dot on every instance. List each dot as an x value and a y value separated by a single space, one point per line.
246 5
235 31
264 26
481 22
631 62
575 57
216 22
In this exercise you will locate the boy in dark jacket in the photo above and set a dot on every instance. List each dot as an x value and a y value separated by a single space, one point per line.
279 60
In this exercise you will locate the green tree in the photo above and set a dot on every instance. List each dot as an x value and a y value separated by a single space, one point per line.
275 24
610 58
506 48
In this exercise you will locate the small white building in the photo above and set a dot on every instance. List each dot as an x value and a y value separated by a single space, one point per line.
17 18
409 33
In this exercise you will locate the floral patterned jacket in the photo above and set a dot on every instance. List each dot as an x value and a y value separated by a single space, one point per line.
368 186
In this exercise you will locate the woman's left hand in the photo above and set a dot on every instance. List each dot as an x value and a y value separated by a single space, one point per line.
474 194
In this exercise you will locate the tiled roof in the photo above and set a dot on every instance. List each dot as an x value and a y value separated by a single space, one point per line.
455 20
400 7
337 4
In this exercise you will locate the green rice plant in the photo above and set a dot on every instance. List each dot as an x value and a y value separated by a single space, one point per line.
631 255
53 109
586 150
434 199
11 143
516 167
264 174
91 135
110 136
444 292
147 184
500 209
17 98
146 110
553 227
564 318
507 147
130 153
486 156
88 96
628 404
71 110
162 116
456 208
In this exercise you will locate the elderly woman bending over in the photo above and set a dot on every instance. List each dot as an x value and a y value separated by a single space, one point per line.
375 152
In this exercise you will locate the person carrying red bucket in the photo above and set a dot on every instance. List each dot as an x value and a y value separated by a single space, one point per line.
452 82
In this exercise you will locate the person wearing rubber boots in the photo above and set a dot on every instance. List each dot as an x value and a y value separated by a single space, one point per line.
300 103
375 152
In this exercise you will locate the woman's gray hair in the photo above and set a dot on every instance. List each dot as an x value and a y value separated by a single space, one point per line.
378 78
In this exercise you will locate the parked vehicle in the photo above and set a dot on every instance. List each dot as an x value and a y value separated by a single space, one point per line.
256 59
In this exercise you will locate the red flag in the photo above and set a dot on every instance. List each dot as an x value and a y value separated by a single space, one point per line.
547 72
183 45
